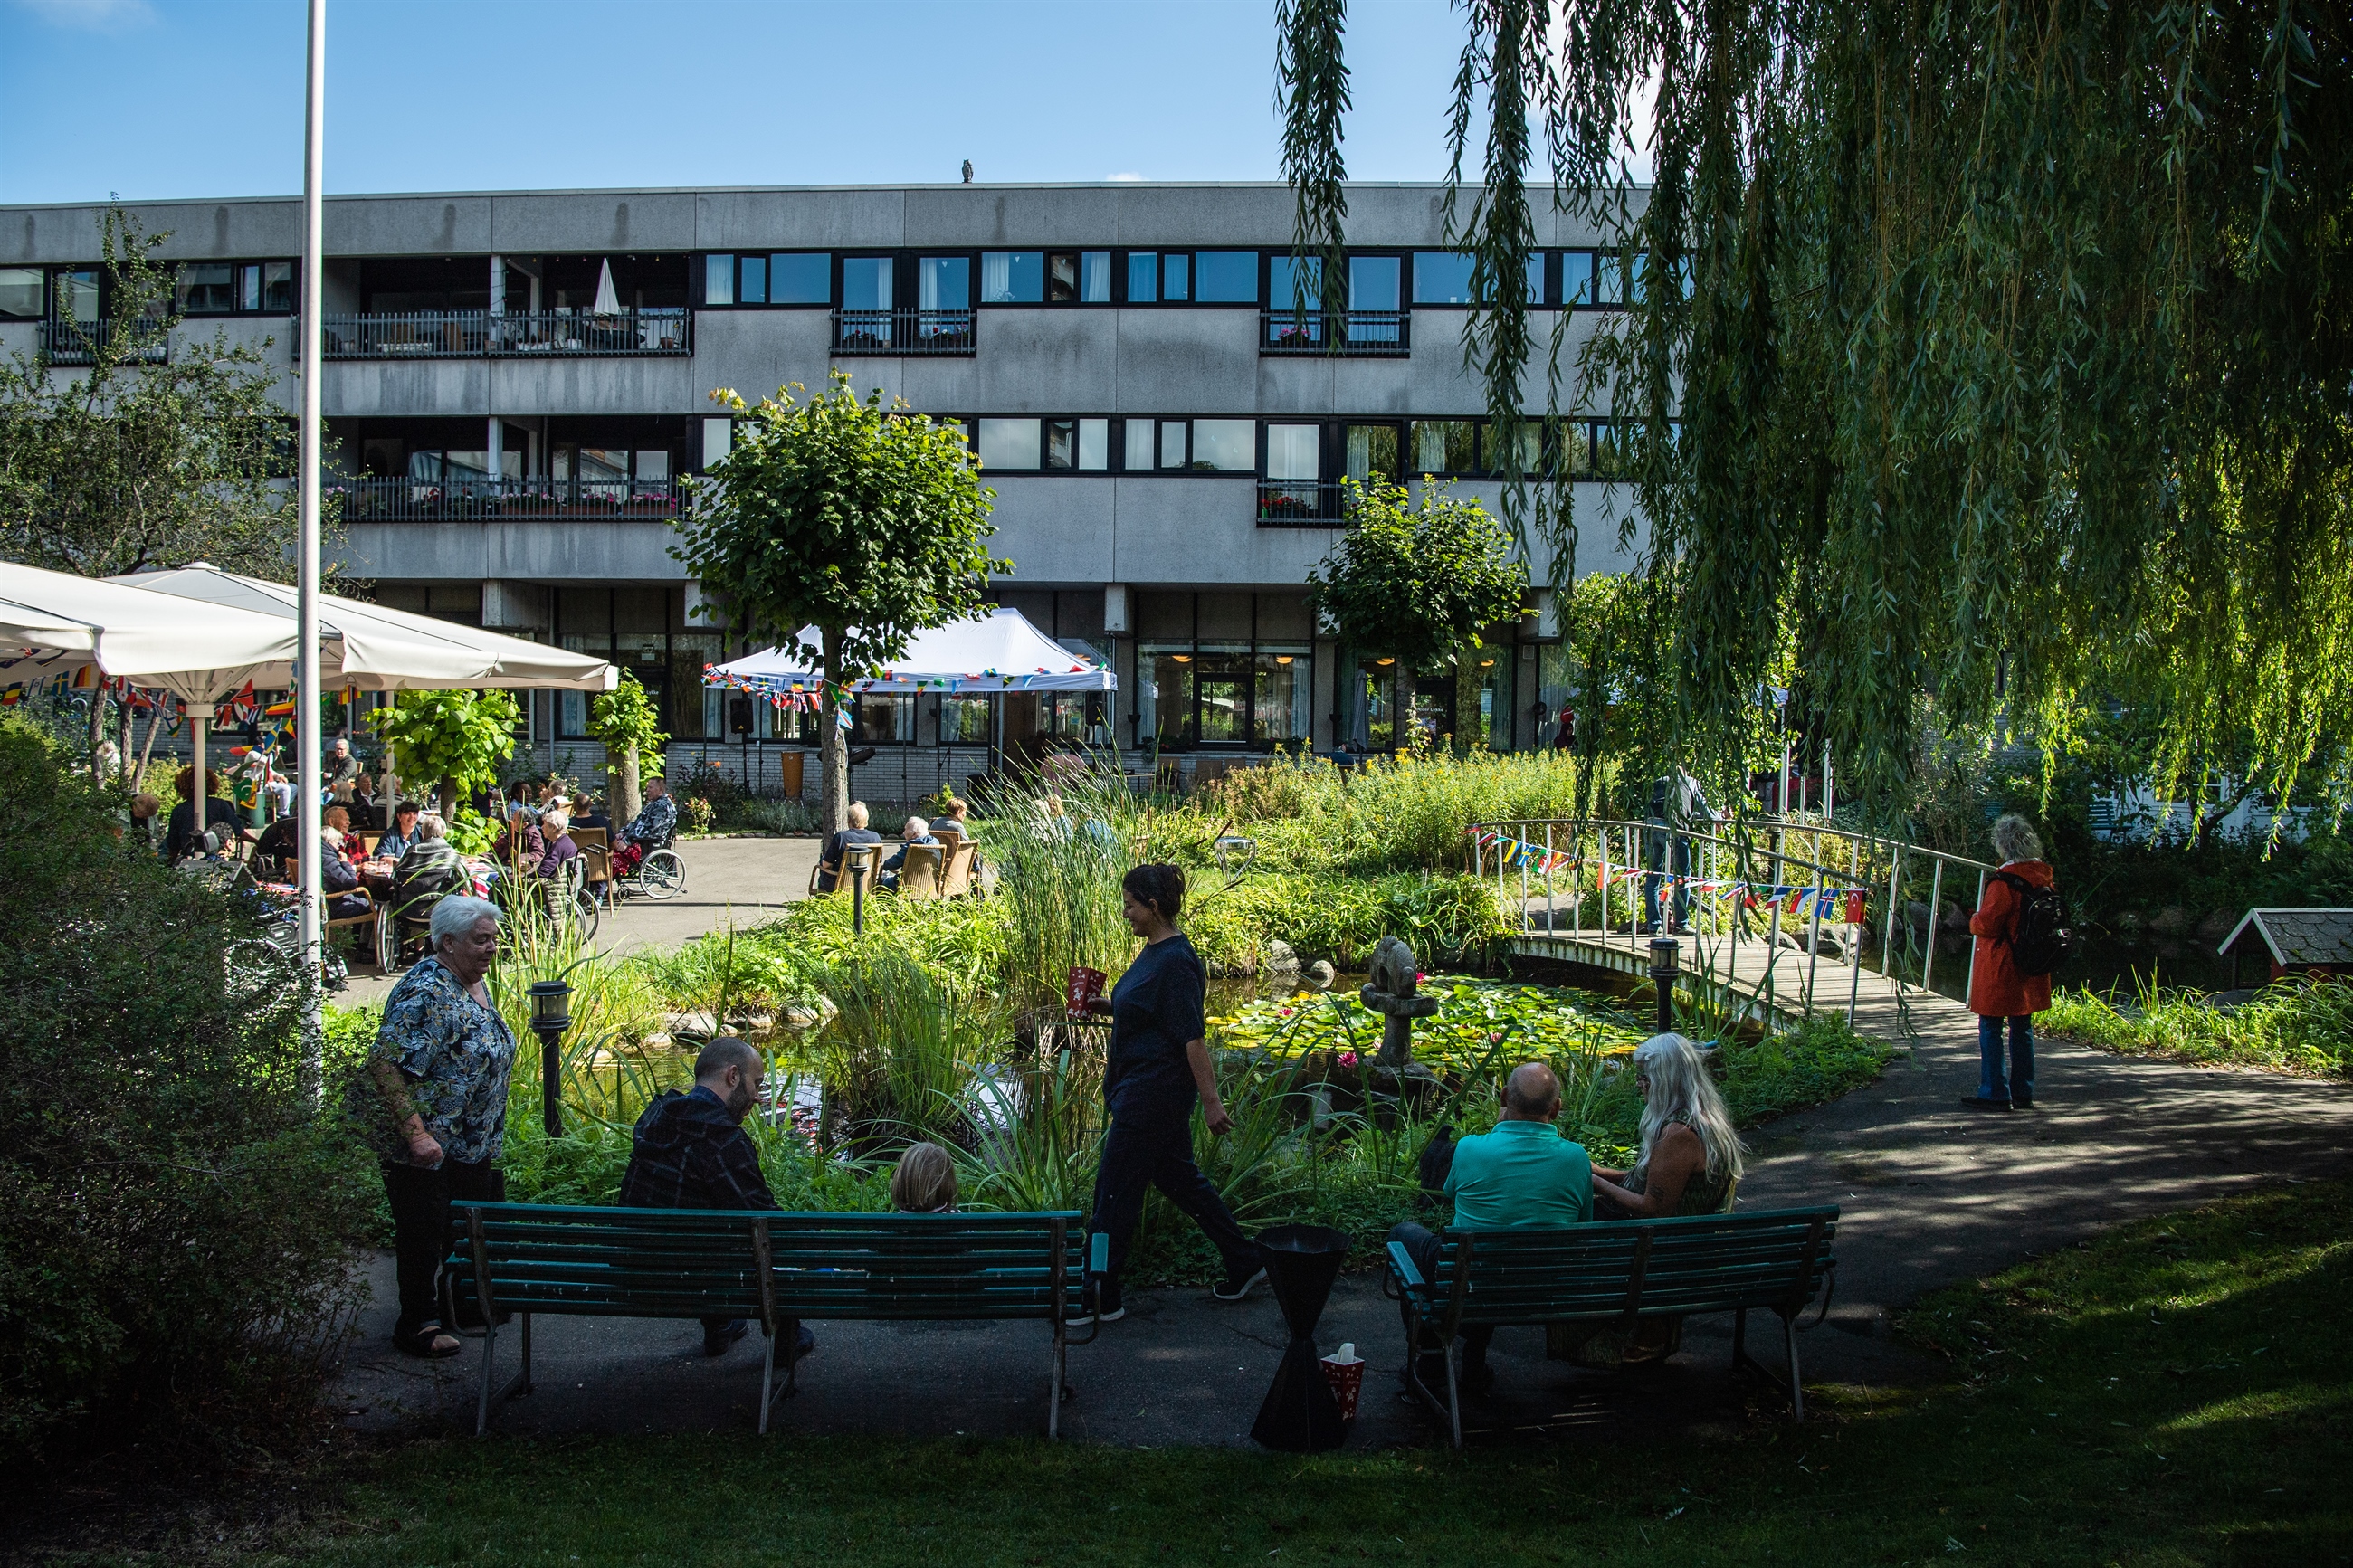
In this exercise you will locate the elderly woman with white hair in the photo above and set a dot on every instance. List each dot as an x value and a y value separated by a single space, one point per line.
433 1099
1689 1164
2000 991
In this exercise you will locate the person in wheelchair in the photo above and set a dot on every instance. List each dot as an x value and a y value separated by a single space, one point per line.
555 830
652 829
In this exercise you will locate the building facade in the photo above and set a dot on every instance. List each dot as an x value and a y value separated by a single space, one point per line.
516 384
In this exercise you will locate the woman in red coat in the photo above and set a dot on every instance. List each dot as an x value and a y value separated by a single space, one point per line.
1997 990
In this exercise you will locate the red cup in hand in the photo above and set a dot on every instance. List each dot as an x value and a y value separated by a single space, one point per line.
1083 987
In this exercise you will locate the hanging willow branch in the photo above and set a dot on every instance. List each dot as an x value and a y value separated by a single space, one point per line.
1996 353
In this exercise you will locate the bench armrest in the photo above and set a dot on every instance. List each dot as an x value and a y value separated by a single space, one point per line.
1402 1271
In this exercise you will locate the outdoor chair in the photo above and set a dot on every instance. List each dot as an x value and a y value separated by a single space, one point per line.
955 877
595 846
863 867
920 873
378 933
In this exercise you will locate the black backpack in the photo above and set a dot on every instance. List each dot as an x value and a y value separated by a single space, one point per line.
2043 935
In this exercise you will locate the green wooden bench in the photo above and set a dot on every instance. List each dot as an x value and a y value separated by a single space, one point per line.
773 1268
1618 1273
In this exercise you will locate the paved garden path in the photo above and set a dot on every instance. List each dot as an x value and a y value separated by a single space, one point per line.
1930 1196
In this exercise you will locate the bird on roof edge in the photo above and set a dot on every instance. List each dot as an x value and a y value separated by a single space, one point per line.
967 171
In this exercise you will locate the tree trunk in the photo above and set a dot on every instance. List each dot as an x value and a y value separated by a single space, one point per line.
621 767
833 746
448 800
1467 687
96 731
154 722
122 724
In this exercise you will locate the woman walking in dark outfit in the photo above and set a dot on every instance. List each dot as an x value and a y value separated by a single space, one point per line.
1159 1067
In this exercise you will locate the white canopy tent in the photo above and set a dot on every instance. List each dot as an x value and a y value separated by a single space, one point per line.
990 657
380 650
54 624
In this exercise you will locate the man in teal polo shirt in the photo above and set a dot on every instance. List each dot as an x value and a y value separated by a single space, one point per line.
1524 1172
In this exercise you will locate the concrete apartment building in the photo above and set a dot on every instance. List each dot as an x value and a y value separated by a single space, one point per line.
516 384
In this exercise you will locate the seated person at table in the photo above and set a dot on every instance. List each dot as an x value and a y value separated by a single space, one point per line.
828 861
221 815
275 852
396 843
1521 1173
430 870
916 831
653 827
556 846
147 822
690 1151
924 1181
519 843
339 817
339 879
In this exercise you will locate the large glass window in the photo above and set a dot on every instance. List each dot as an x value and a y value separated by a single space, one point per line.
1530 440
719 280
1222 681
1061 277
76 296
1441 277
1010 443
1177 276
1445 447
944 282
1062 443
1094 277
1229 445
882 720
1137 457
1012 277
1576 278
1292 283
800 277
276 287
20 291
754 287
964 721
1372 282
866 283
1282 701
1609 279
1172 443
206 288
1372 449
1225 277
1095 443
1142 277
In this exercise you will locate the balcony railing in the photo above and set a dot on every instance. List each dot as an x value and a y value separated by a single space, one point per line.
902 332
77 342
1357 333
482 500
478 334
1305 504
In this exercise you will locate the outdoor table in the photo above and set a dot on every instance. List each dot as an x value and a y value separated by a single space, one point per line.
1299 1415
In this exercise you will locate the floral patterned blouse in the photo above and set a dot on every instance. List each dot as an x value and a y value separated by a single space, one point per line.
456 1055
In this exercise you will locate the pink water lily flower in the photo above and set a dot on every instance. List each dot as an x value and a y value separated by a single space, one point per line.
1347 1059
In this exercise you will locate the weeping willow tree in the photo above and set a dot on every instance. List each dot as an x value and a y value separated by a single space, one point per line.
1998 352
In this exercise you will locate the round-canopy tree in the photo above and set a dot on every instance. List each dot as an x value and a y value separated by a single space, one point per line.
625 719
866 522
1418 578
1998 350
456 739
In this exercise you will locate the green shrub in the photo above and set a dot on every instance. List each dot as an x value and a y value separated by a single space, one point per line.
2304 1027
177 1224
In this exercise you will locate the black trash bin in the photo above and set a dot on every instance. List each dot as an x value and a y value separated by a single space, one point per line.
1300 1415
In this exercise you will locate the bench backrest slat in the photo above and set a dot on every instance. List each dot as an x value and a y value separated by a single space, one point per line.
1711 1262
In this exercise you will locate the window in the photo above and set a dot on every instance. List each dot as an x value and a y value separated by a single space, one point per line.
1176 277
231 288
1293 284
1294 451
1061 277
76 298
1061 443
882 719
754 288
1010 443
1137 457
1172 443
944 282
277 288
866 283
719 280
1012 277
1445 447
21 288
1443 278
1530 444
1094 277
964 721
1142 277
1242 689
1225 277
1576 278
1372 449
1372 282
802 278
1226 444
1608 281
1094 444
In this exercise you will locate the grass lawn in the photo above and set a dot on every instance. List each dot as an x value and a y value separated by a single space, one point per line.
2175 1393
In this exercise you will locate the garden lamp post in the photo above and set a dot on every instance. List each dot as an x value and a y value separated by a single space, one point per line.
550 1015
1666 962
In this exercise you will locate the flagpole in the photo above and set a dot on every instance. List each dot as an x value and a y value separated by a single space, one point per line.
311 773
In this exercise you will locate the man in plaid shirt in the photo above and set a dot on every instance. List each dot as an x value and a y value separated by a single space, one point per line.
690 1152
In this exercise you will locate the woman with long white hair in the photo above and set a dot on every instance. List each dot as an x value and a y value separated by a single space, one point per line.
1690 1159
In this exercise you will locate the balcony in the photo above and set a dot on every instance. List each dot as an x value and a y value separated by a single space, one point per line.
1355 334
508 501
77 342
902 332
1305 504
478 334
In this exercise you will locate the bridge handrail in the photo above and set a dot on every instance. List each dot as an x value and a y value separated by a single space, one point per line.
1745 840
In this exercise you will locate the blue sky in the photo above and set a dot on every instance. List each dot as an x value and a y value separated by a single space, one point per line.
158 99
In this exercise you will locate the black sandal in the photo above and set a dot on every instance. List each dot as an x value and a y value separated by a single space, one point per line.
427 1341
